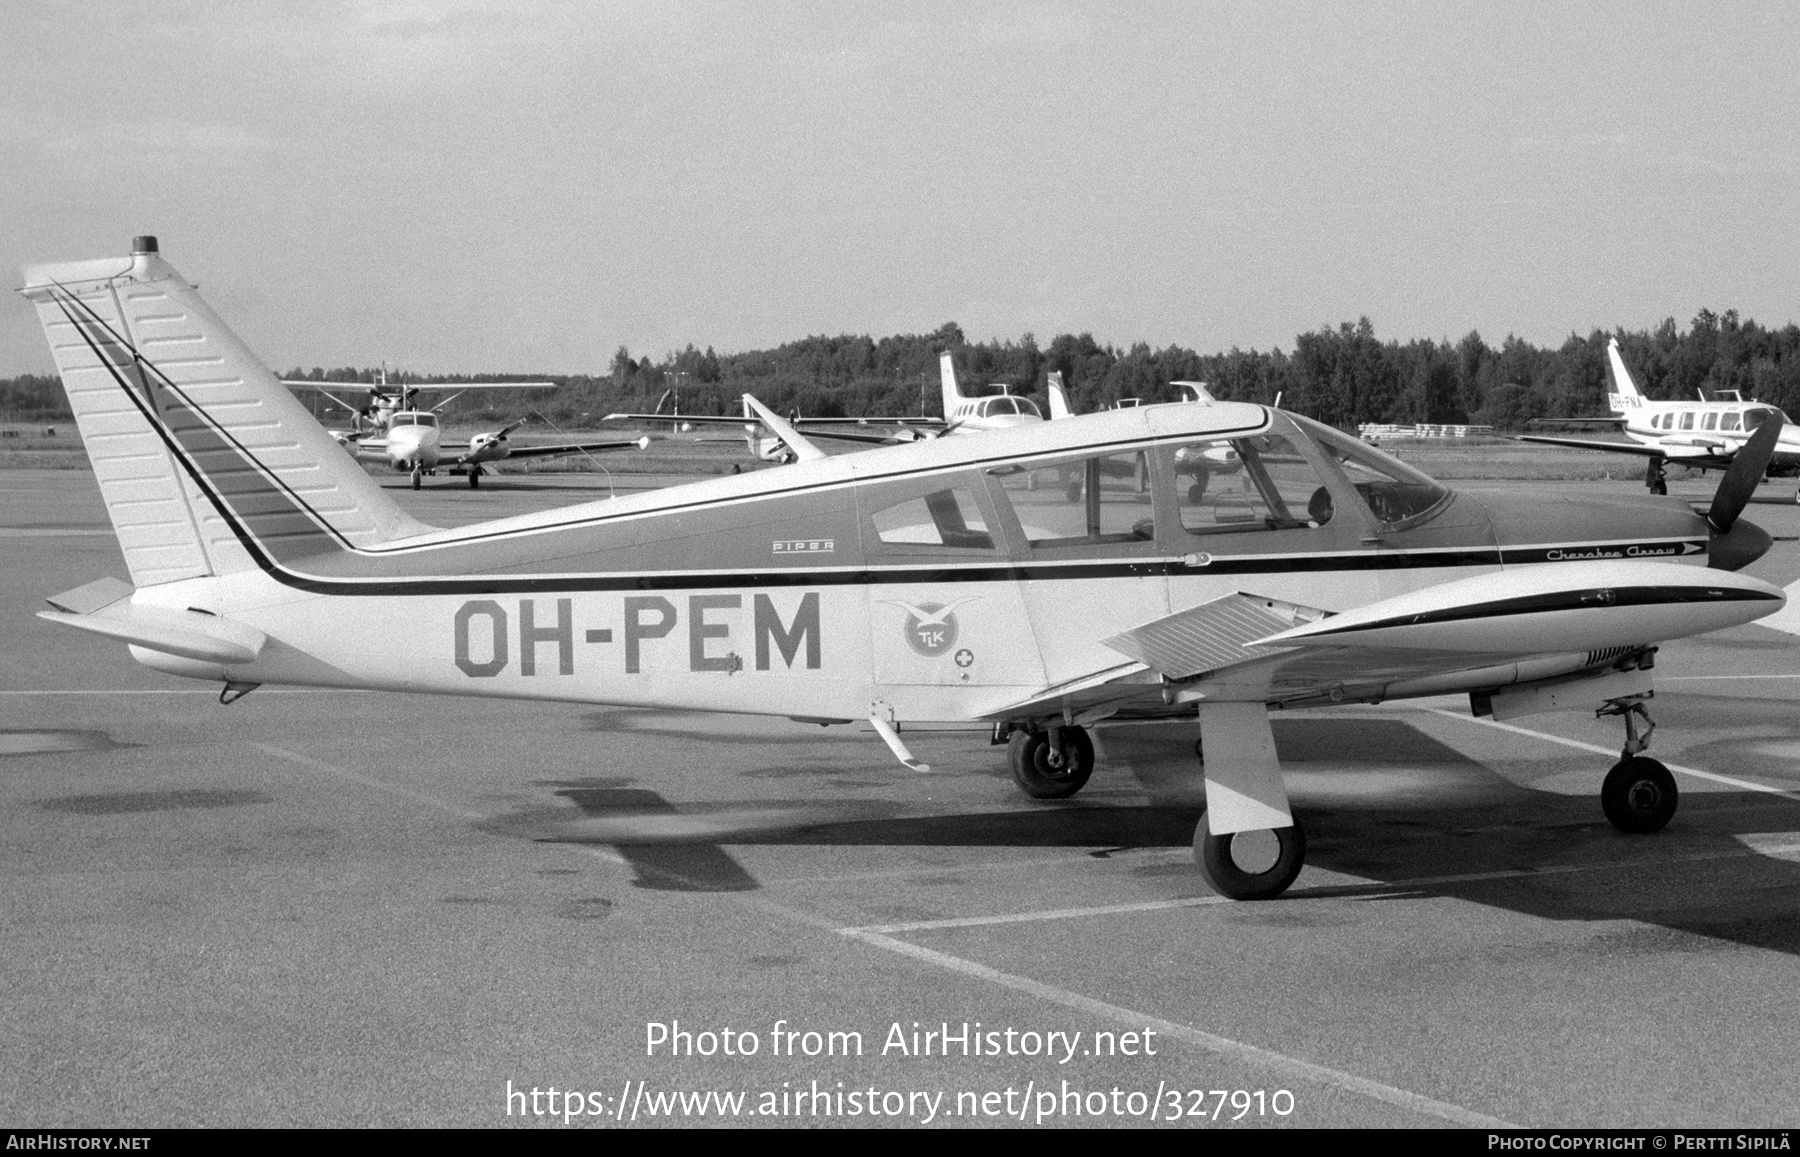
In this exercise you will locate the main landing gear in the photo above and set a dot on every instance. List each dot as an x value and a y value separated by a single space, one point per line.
1639 795
1053 763
1257 865
1653 477
474 478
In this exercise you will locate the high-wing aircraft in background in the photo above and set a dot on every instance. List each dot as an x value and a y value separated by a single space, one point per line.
382 399
391 427
919 586
1704 434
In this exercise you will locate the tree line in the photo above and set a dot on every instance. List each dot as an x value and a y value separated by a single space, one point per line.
1342 376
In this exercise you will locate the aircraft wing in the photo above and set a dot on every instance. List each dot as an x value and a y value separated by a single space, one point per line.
1603 422
696 419
1244 647
395 386
556 449
1708 452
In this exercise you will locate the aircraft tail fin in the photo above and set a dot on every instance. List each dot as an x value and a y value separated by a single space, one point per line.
207 464
952 395
1625 396
1059 398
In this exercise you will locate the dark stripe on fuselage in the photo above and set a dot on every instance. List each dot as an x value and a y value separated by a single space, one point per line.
1594 598
876 575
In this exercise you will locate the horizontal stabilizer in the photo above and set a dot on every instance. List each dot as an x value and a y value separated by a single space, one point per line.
189 634
86 599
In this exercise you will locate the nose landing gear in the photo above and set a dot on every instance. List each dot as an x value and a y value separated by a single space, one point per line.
1639 795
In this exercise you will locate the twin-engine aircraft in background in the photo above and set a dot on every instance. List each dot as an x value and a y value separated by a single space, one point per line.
922 586
391 427
1705 434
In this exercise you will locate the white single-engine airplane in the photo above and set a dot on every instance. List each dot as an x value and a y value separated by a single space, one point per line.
412 445
918 586
1707 435
390 428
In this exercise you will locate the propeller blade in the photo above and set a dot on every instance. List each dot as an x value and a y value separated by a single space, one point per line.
1746 471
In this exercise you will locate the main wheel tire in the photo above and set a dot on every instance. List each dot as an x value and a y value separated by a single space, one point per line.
1659 488
475 478
1043 773
1253 881
1639 795
418 478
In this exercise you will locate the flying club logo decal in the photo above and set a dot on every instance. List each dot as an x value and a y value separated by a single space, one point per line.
931 628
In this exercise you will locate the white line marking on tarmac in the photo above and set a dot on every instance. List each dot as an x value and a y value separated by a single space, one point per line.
395 789
1719 678
1328 891
189 691
1223 1046
47 532
1730 781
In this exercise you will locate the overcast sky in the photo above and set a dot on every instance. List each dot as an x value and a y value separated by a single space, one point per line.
467 186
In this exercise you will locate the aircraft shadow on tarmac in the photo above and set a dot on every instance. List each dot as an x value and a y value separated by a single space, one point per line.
1395 807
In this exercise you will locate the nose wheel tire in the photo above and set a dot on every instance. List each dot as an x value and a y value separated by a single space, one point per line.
1258 865
1639 795
1046 772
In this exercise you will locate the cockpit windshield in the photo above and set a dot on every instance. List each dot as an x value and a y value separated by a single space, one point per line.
1394 491
1756 417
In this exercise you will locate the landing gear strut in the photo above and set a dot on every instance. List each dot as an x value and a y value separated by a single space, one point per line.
474 478
1639 795
1653 477
1053 763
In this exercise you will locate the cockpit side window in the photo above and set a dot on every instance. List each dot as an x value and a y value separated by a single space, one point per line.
1233 485
1394 492
1731 420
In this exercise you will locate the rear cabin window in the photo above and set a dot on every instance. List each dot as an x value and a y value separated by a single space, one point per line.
942 518
1687 420
1086 502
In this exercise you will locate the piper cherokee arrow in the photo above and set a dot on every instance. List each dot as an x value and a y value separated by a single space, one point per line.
913 586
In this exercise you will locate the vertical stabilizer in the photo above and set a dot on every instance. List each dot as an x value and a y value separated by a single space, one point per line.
1059 398
952 396
1625 396
205 461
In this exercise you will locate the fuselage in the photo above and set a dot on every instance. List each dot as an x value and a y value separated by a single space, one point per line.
1716 429
934 582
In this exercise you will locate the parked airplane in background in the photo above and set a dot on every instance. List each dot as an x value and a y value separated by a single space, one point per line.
390 427
382 401
922 586
413 445
1704 434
